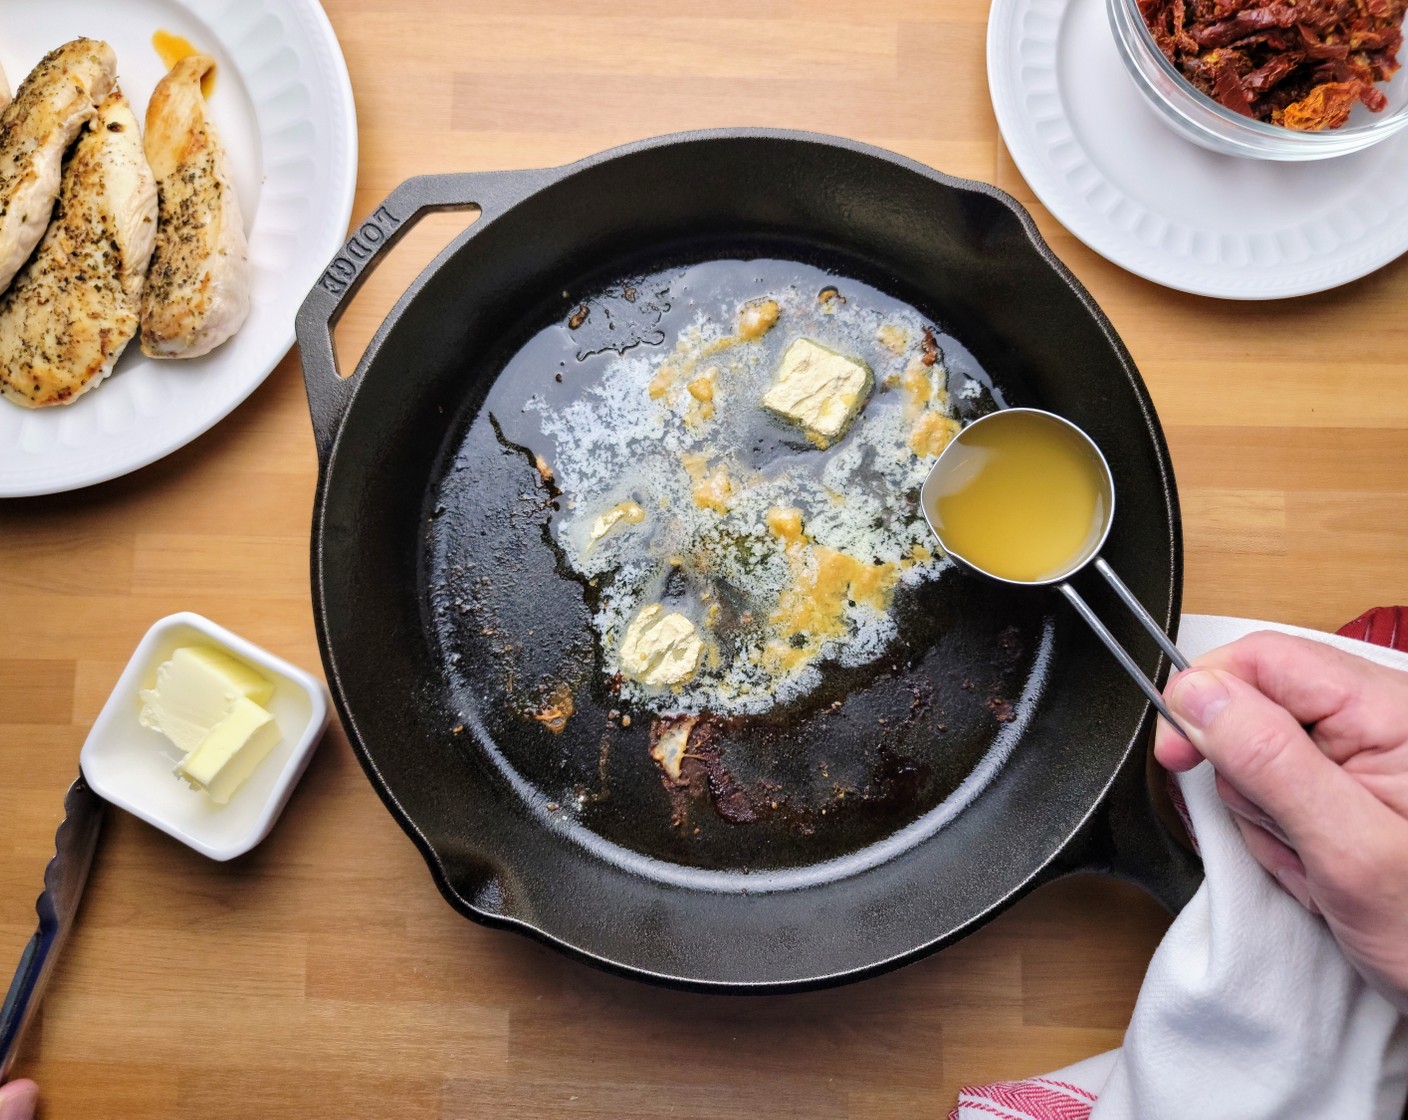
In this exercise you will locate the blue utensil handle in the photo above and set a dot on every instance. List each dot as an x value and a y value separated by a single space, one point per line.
74 843
14 1013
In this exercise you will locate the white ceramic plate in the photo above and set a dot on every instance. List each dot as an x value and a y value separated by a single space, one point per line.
283 106
1117 177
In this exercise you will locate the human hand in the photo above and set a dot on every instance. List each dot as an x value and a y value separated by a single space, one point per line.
1324 810
17 1100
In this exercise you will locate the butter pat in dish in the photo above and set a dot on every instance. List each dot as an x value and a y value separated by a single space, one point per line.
208 704
195 690
229 754
132 765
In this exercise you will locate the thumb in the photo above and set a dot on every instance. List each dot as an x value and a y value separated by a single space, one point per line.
1261 750
18 1099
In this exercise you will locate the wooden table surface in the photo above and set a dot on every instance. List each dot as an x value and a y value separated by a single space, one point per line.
322 975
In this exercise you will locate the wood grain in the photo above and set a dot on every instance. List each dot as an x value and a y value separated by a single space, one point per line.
322 975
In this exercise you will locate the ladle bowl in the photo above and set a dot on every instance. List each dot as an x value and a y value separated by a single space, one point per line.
944 477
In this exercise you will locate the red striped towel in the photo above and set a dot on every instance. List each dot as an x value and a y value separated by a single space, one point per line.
1382 626
1072 1093
1037 1098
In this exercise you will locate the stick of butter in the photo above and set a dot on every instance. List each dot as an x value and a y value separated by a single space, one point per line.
232 750
195 690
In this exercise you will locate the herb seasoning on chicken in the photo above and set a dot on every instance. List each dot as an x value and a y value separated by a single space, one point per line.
74 306
58 98
197 292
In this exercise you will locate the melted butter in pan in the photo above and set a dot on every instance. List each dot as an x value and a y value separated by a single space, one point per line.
782 551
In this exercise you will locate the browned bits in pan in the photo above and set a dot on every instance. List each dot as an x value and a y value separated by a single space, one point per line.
929 348
556 709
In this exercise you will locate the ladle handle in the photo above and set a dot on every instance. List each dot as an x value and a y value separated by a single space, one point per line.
1136 674
1145 618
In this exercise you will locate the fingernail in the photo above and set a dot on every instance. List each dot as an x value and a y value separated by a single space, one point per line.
1297 887
1198 697
18 1100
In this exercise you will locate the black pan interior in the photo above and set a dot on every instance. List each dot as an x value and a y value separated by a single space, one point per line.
872 750
571 836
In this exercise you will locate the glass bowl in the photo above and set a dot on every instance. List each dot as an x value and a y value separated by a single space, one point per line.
1197 117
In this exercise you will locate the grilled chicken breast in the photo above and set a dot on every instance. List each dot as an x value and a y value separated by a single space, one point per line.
58 98
197 292
76 303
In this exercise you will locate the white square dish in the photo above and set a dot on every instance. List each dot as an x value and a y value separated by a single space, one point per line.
133 766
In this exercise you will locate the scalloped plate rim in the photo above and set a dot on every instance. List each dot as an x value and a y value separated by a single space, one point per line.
1006 33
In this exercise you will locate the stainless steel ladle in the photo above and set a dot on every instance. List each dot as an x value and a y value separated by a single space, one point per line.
941 475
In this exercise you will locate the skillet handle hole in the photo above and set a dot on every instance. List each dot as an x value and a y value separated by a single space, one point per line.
387 281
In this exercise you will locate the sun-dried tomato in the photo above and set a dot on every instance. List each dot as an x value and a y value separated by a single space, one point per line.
1271 74
1325 106
1227 85
1298 63
1246 22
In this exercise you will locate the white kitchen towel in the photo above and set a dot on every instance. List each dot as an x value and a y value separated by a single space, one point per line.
1248 1010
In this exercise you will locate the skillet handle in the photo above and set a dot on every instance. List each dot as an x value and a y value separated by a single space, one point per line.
329 393
1127 839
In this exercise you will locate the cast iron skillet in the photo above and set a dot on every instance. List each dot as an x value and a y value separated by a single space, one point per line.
962 814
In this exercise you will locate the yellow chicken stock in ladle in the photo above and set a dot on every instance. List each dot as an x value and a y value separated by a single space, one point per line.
1025 497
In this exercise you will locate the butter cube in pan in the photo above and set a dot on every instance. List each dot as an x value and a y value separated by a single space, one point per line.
660 648
819 389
